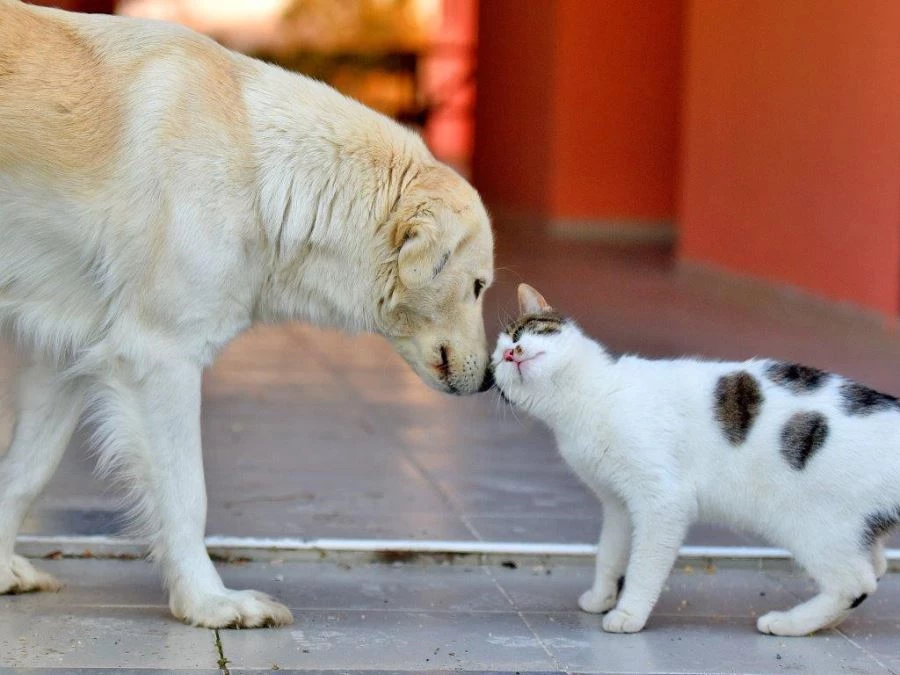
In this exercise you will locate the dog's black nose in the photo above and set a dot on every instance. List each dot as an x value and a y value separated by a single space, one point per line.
488 380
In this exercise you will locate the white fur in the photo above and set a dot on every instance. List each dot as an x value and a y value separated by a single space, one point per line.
236 192
643 436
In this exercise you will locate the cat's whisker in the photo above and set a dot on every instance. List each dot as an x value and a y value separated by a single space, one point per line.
498 271
498 405
503 318
515 414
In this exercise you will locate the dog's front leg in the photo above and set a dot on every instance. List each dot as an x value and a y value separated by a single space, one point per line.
175 506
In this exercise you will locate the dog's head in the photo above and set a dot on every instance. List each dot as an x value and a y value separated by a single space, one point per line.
441 262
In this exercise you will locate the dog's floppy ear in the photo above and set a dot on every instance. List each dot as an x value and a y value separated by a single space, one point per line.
424 250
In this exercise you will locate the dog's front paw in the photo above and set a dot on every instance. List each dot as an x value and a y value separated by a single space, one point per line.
231 609
597 601
620 621
20 576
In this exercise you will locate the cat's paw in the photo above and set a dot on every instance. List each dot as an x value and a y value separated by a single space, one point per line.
597 601
783 624
620 621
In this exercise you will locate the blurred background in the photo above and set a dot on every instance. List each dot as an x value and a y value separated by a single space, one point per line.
761 138
683 176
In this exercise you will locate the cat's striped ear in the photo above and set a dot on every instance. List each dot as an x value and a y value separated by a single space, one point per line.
530 301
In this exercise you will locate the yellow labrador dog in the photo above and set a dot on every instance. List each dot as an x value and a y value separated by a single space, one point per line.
158 195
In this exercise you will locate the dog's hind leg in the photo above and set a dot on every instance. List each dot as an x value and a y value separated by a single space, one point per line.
48 411
164 462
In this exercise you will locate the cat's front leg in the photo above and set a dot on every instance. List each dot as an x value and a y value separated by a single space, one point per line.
612 556
659 531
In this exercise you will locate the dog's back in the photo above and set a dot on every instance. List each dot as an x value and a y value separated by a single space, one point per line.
108 127
58 111
72 85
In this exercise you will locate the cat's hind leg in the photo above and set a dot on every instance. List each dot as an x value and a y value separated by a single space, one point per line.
612 556
845 579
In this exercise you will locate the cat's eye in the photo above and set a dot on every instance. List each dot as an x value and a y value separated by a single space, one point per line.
479 286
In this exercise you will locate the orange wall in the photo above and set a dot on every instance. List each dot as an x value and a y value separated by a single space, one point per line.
791 144
616 109
577 109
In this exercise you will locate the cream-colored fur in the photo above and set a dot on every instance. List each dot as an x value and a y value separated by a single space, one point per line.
158 195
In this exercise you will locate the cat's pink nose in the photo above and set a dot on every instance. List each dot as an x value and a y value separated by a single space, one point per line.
509 355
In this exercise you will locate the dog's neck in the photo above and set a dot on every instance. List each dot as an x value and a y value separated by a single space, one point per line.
324 192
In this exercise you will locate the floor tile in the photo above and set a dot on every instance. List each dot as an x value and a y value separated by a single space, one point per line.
878 638
742 594
106 671
425 671
535 528
111 638
73 520
377 639
520 496
324 493
267 520
583 529
409 587
92 583
693 644
715 593
716 535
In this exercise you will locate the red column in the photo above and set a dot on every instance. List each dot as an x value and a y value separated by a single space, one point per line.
577 111
512 160
93 6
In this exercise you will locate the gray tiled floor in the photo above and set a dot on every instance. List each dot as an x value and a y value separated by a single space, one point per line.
428 617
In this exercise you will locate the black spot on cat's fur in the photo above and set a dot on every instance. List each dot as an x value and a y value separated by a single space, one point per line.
856 603
738 399
545 323
857 399
803 434
799 379
878 524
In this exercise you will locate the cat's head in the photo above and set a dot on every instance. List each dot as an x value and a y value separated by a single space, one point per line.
533 348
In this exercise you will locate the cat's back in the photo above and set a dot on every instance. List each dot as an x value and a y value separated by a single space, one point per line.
664 402
718 385
682 384
759 405
777 393
760 437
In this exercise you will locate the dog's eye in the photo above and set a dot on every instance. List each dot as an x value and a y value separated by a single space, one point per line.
479 286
